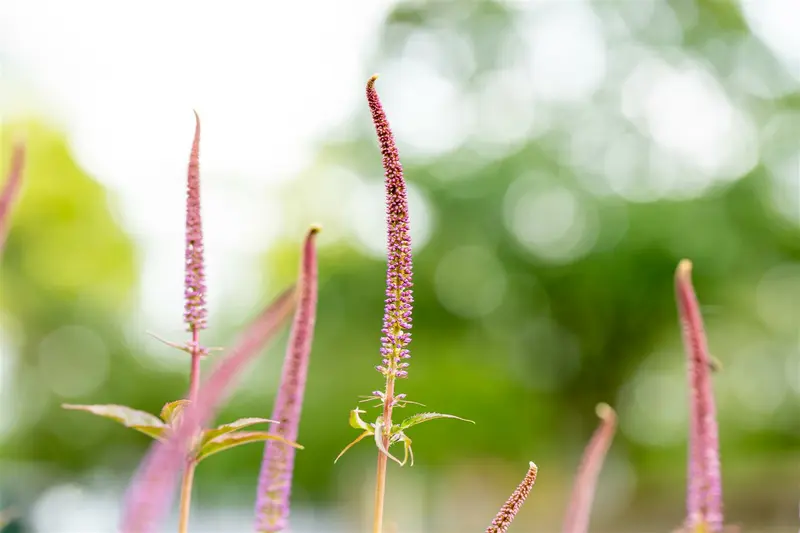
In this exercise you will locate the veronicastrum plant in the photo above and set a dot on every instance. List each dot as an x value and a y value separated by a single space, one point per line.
181 429
205 442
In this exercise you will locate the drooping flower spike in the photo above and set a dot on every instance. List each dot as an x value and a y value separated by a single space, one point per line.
277 467
509 510
704 494
151 492
10 189
580 503
195 283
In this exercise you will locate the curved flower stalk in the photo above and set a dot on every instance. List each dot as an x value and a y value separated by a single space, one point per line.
8 194
151 491
397 314
509 510
580 503
277 466
704 494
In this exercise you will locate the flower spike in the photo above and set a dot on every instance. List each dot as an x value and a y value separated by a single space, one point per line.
509 510
704 495
399 299
580 504
195 284
151 491
277 466
10 189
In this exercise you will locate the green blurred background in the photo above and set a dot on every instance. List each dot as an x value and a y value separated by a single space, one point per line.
562 157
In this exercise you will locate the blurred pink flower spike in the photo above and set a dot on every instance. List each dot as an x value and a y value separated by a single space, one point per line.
509 510
277 466
704 494
152 489
10 188
580 503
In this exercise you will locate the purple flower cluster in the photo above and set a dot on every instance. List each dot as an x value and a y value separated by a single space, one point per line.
510 509
399 299
277 466
195 282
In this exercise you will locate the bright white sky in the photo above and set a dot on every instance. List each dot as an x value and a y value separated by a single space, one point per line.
268 79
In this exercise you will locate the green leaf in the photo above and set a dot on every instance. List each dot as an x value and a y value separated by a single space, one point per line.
379 441
141 421
358 439
424 417
407 448
356 422
171 410
212 434
229 440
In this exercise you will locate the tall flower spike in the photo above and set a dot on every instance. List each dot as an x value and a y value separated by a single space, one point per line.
150 495
10 189
277 466
195 282
509 510
397 312
704 495
580 503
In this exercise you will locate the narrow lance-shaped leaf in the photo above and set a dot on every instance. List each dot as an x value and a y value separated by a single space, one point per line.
237 438
141 421
424 417
211 434
277 466
151 492
509 510
10 189
580 503
172 410
704 494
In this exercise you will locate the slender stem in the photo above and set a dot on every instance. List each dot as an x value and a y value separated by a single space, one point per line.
186 496
380 477
188 473
194 375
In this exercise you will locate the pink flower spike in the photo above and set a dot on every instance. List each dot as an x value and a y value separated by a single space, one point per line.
277 466
704 494
151 492
580 503
195 283
399 299
509 510
10 189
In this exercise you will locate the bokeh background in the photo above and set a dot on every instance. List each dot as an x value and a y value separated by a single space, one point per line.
562 157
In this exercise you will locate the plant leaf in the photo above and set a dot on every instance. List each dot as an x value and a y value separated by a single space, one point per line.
358 439
172 410
141 421
357 423
424 417
379 442
212 434
231 439
408 452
